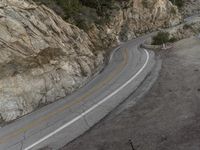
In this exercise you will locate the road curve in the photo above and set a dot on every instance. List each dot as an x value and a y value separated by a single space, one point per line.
68 118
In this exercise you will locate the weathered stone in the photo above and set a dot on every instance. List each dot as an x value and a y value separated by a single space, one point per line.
134 20
42 58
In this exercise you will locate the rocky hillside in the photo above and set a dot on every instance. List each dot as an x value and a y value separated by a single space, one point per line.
111 21
190 7
132 19
44 58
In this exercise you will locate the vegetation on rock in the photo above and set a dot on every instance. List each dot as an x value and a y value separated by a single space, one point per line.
162 38
178 3
72 7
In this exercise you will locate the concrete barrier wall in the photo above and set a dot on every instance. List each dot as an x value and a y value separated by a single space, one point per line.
151 47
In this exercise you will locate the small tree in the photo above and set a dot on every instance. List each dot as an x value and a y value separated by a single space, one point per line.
161 38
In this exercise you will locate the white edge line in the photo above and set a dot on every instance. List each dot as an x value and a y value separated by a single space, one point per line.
92 108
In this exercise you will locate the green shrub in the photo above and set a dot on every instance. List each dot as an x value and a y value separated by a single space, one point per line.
70 6
161 38
83 12
172 40
178 3
97 3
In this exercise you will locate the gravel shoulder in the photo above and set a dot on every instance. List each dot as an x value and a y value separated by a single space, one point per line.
166 118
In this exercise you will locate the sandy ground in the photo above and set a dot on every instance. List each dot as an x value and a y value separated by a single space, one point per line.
166 118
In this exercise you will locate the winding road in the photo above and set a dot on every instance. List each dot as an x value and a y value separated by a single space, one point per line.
61 122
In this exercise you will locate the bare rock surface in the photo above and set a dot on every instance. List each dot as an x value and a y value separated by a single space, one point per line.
191 7
42 58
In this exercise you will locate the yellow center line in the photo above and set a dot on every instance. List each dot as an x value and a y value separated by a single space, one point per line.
82 98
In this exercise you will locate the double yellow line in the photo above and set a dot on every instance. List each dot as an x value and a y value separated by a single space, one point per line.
82 98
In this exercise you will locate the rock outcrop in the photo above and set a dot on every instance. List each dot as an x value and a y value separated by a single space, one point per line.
191 7
43 58
132 18
185 31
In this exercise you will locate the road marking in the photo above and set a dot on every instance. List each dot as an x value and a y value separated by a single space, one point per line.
92 108
42 119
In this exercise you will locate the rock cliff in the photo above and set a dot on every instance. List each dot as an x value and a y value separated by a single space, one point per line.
191 7
128 19
43 58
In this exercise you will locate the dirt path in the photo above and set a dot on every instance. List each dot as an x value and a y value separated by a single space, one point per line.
167 118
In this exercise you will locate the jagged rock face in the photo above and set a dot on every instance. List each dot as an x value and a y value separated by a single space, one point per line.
191 7
133 18
42 58
185 31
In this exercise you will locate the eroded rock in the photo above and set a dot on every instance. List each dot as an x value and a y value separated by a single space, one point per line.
42 58
133 18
